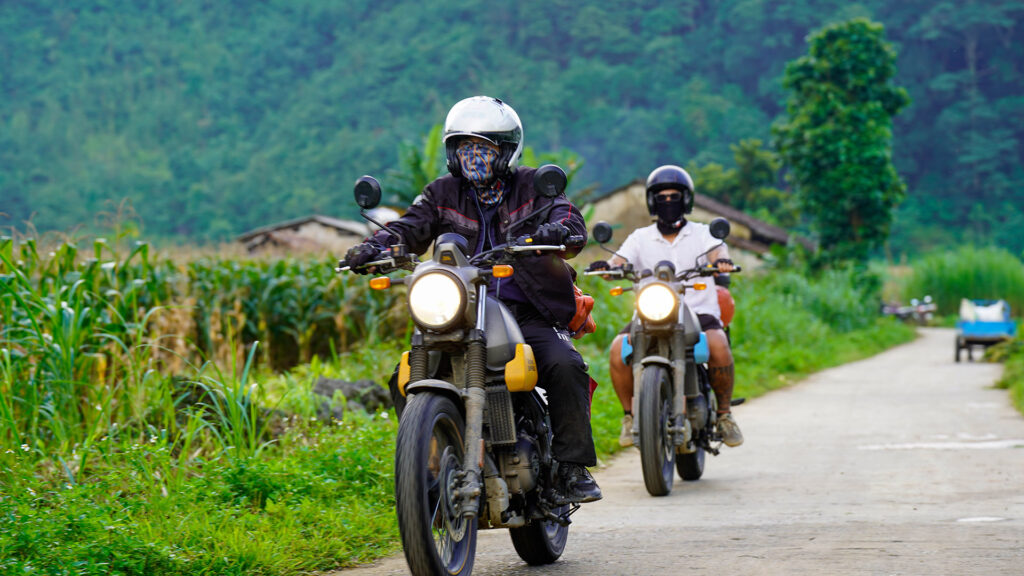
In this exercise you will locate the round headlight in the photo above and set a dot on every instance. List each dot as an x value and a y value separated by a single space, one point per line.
656 302
436 300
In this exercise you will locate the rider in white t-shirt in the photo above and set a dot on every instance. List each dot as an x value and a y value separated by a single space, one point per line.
672 237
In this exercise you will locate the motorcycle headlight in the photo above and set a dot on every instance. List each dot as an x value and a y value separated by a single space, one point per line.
656 302
436 300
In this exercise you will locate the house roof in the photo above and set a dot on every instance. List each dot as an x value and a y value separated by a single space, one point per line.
348 226
759 228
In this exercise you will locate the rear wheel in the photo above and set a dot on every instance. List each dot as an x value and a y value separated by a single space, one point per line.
691 466
437 539
657 454
541 542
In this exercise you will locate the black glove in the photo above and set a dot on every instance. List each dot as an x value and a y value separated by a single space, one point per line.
359 255
551 233
597 265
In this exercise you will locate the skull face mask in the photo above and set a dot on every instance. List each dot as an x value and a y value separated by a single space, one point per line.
477 162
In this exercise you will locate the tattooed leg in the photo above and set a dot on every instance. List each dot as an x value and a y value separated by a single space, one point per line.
722 380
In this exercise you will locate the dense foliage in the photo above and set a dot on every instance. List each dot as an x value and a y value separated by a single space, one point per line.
214 118
970 272
837 138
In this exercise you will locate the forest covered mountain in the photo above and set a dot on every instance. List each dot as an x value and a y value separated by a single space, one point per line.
216 117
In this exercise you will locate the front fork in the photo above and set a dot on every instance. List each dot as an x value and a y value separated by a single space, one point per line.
471 477
684 384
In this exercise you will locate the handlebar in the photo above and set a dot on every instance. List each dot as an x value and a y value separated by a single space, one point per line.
385 265
617 272
705 271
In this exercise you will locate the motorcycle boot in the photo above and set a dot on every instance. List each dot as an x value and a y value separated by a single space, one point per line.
729 430
575 485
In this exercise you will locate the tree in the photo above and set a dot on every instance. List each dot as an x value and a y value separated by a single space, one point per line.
751 185
837 140
417 167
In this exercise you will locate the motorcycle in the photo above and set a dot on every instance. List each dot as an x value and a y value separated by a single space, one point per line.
675 407
919 312
474 440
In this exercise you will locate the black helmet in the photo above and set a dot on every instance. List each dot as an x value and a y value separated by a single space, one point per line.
670 176
490 119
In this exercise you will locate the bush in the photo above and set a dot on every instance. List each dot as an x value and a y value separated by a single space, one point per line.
990 273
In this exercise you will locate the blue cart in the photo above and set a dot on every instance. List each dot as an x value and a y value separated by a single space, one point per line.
983 323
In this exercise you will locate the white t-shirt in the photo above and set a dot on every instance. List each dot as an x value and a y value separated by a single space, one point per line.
645 247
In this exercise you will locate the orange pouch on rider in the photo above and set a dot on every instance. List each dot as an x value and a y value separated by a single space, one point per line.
582 322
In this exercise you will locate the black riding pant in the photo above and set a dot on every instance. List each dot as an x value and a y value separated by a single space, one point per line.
563 376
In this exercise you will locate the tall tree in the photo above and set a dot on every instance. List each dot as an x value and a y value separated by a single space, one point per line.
837 139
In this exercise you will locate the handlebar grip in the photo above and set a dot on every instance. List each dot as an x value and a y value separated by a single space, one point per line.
737 268
575 240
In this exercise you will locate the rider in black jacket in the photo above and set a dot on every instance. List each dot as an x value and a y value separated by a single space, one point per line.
487 197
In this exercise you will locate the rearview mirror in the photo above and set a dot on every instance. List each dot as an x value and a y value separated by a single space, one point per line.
720 228
549 181
367 192
602 232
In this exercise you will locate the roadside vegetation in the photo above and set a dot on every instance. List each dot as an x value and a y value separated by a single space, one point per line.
157 417
969 272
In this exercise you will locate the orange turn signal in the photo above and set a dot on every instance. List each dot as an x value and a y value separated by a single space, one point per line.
617 291
380 283
700 286
502 271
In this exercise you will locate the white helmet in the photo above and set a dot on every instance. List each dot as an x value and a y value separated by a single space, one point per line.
490 119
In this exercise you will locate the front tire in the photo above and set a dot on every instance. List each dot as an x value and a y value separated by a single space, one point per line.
437 539
657 454
541 542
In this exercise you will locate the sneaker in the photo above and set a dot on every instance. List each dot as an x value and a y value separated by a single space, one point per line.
575 485
626 436
729 430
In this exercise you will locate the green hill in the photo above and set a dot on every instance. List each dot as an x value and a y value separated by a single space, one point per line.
216 117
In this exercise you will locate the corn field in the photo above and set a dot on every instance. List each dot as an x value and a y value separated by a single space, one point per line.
100 337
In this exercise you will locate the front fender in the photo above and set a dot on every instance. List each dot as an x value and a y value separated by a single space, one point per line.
657 360
434 385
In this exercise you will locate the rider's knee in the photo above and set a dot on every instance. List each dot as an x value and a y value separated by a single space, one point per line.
615 353
718 347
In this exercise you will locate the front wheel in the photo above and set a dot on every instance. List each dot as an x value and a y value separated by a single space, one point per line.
438 539
657 454
541 542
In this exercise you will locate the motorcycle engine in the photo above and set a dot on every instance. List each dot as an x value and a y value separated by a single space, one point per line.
521 466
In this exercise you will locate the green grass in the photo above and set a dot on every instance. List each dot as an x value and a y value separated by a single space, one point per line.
970 272
320 499
1012 354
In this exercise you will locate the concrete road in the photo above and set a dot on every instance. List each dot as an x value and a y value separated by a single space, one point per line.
905 463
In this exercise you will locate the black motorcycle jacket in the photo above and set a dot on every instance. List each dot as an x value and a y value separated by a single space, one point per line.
449 204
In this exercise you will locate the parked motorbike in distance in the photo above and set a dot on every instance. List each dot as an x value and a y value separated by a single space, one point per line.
474 441
920 312
674 406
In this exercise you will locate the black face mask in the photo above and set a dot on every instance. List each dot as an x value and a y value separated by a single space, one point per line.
670 215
